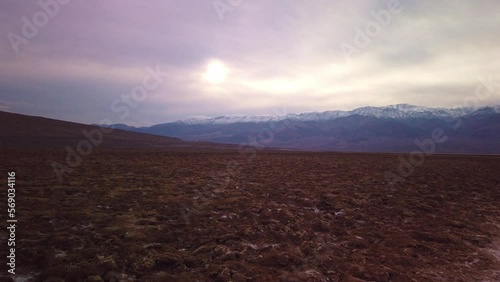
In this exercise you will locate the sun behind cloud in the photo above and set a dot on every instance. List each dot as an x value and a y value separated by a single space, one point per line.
216 72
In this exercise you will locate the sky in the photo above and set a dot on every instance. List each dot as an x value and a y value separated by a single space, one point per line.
148 62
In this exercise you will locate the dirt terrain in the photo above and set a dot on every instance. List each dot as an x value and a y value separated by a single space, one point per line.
158 215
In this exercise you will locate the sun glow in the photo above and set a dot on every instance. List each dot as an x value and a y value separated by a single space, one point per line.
216 72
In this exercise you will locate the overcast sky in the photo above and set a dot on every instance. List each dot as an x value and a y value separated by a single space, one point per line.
241 56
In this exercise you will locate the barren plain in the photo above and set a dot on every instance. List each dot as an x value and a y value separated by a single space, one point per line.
174 215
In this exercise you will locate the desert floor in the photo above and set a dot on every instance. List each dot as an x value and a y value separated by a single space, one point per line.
153 215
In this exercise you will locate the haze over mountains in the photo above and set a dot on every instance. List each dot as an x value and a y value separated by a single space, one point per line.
393 128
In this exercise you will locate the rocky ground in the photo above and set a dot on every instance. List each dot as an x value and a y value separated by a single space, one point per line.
138 215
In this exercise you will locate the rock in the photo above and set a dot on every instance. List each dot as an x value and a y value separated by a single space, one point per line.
94 278
107 265
167 261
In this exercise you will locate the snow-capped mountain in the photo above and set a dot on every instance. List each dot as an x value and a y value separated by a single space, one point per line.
399 111
394 128
229 119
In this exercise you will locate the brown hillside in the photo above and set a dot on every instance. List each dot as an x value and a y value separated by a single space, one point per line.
18 130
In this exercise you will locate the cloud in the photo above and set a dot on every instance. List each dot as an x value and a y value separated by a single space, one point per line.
278 53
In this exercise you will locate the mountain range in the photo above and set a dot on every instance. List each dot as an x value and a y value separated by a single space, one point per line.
394 128
400 111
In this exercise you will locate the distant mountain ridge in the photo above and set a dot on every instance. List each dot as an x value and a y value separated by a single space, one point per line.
399 111
393 128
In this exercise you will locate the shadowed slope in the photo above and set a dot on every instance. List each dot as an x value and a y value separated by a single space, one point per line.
18 130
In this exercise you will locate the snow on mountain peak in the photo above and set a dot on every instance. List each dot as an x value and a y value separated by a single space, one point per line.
398 111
